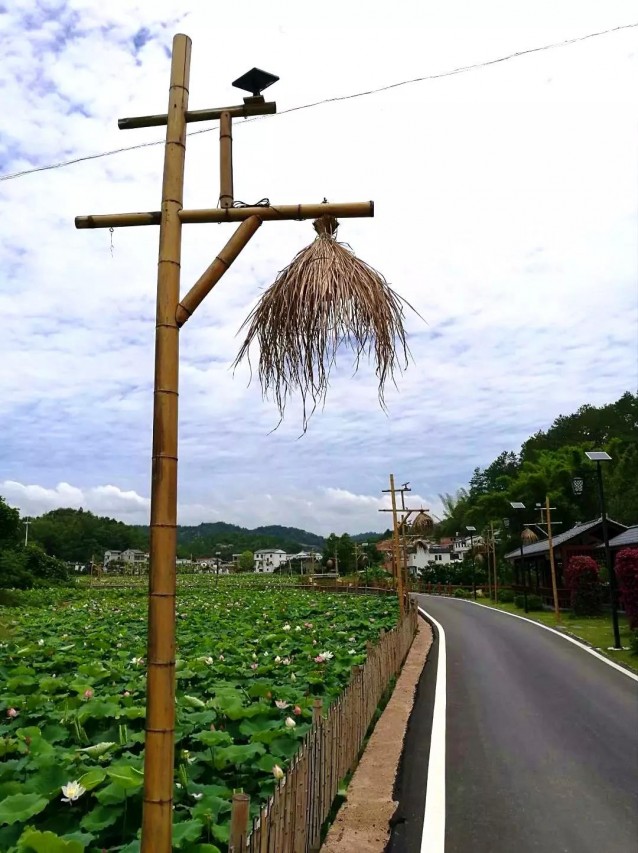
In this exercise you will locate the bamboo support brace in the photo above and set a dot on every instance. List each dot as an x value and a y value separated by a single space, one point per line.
343 210
216 270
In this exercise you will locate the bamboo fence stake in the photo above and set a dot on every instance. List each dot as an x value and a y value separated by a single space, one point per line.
160 710
551 557
216 270
317 705
225 160
239 822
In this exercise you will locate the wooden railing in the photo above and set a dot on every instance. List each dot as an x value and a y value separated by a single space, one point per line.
292 819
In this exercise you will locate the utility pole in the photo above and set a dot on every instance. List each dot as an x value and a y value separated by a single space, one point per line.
392 491
548 513
172 312
26 522
404 547
395 536
552 566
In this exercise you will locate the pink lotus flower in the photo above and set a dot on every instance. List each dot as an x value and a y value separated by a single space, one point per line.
253 666
88 694
126 693
11 712
296 711
320 659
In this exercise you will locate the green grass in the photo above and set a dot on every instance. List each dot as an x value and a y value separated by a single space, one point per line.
596 631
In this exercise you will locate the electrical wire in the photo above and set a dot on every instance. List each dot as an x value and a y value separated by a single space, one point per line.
463 69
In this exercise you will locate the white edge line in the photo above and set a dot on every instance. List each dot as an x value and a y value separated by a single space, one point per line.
433 837
558 634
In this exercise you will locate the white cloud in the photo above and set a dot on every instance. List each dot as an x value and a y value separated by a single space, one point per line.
320 511
505 212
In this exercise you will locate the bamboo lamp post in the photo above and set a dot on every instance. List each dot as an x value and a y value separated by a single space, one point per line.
379 317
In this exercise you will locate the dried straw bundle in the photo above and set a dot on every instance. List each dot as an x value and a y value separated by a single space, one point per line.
324 299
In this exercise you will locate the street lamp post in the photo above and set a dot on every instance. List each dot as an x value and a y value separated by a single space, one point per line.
599 456
519 505
472 530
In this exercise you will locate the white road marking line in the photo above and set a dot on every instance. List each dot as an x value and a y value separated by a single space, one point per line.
558 633
433 838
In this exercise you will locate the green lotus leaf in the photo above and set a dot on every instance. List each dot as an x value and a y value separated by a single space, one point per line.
188 830
193 702
126 776
98 748
214 738
236 755
101 817
32 841
93 778
21 807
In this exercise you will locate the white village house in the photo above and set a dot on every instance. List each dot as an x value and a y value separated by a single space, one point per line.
424 552
131 557
269 559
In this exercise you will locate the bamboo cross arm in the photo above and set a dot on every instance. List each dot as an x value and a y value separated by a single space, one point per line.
241 111
344 210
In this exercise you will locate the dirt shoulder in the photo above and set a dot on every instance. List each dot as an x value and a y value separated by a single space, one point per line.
362 824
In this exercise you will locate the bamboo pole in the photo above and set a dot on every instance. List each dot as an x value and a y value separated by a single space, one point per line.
551 558
160 704
225 160
343 210
396 543
216 270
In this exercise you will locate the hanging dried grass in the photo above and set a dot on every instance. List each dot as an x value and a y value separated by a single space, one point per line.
528 536
325 298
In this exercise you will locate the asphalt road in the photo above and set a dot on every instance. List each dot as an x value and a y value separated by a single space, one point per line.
541 743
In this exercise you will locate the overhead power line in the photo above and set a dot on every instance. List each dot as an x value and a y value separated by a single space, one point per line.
463 69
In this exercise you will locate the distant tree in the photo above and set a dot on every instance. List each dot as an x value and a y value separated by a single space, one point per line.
246 561
9 524
13 572
346 553
330 551
24 567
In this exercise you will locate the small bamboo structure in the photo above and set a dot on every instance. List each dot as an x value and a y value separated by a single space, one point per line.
325 300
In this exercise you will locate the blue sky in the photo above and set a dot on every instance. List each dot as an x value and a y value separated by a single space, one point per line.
505 213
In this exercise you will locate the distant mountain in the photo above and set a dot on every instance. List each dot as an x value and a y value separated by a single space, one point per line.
292 534
79 535
209 538
368 537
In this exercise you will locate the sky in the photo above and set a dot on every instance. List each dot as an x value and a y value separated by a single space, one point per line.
505 213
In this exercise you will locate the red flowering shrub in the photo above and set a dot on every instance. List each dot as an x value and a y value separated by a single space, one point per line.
627 574
583 581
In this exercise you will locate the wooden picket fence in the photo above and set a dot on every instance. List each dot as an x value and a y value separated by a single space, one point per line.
291 821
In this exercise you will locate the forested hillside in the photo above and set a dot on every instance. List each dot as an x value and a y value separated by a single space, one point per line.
546 464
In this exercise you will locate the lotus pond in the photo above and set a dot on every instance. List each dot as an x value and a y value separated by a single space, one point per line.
250 661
